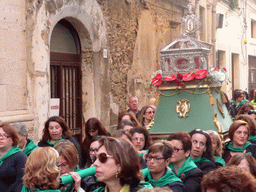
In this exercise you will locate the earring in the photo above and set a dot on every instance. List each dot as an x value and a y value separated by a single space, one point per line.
117 174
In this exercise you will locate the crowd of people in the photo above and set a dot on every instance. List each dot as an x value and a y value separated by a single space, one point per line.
128 159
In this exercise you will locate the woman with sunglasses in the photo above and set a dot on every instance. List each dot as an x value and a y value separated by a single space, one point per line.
93 128
238 133
146 115
181 163
12 160
117 166
55 130
201 150
157 173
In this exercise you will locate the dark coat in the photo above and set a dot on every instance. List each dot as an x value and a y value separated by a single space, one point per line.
11 172
192 180
206 166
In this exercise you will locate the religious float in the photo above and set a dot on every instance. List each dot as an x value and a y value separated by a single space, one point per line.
190 93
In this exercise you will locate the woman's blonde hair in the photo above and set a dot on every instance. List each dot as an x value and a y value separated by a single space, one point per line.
217 138
41 169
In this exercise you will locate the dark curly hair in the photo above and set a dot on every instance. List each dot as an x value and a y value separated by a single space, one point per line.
66 130
208 154
145 132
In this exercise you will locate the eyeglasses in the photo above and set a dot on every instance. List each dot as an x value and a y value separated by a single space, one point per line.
138 139
177 149
252 112
150 112
4 136
155 159
103 157
94 150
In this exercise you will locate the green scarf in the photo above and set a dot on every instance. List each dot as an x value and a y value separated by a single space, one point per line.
231 148
252 138
52 144
169 177
25 189
12 151
219 160
241 103
186 166
200 160
31 146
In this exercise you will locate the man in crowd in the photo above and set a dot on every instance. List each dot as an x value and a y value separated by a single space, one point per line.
133 105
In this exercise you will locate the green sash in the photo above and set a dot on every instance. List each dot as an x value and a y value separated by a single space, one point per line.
200 160
169 177
252 138
12 151
52 144
31 146
219 160
231 148
186 166
25 189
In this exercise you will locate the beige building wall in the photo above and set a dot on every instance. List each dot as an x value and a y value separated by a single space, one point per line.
231 42
133 33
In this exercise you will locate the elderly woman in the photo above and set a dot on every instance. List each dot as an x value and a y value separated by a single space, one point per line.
216 148
228 179
238 133
181 163
146 115
41 171
115 168
56 130
12 160
201 151
93 128
245 161
158 159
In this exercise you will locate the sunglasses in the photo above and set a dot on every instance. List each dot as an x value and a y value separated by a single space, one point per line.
150 112
103 157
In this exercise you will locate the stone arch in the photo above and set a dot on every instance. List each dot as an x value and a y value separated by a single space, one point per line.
87 18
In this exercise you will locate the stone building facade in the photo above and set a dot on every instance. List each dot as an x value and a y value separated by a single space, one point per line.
118 45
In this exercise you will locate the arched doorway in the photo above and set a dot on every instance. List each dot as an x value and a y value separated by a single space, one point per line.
65 74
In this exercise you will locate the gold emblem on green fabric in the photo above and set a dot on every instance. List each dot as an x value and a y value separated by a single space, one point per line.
183 107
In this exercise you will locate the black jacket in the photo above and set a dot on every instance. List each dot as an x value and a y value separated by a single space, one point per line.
192 180
11 172
206 166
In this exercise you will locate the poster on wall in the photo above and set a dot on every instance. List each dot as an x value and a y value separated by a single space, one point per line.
54 107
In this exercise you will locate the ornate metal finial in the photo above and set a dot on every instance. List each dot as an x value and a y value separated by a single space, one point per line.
190 23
